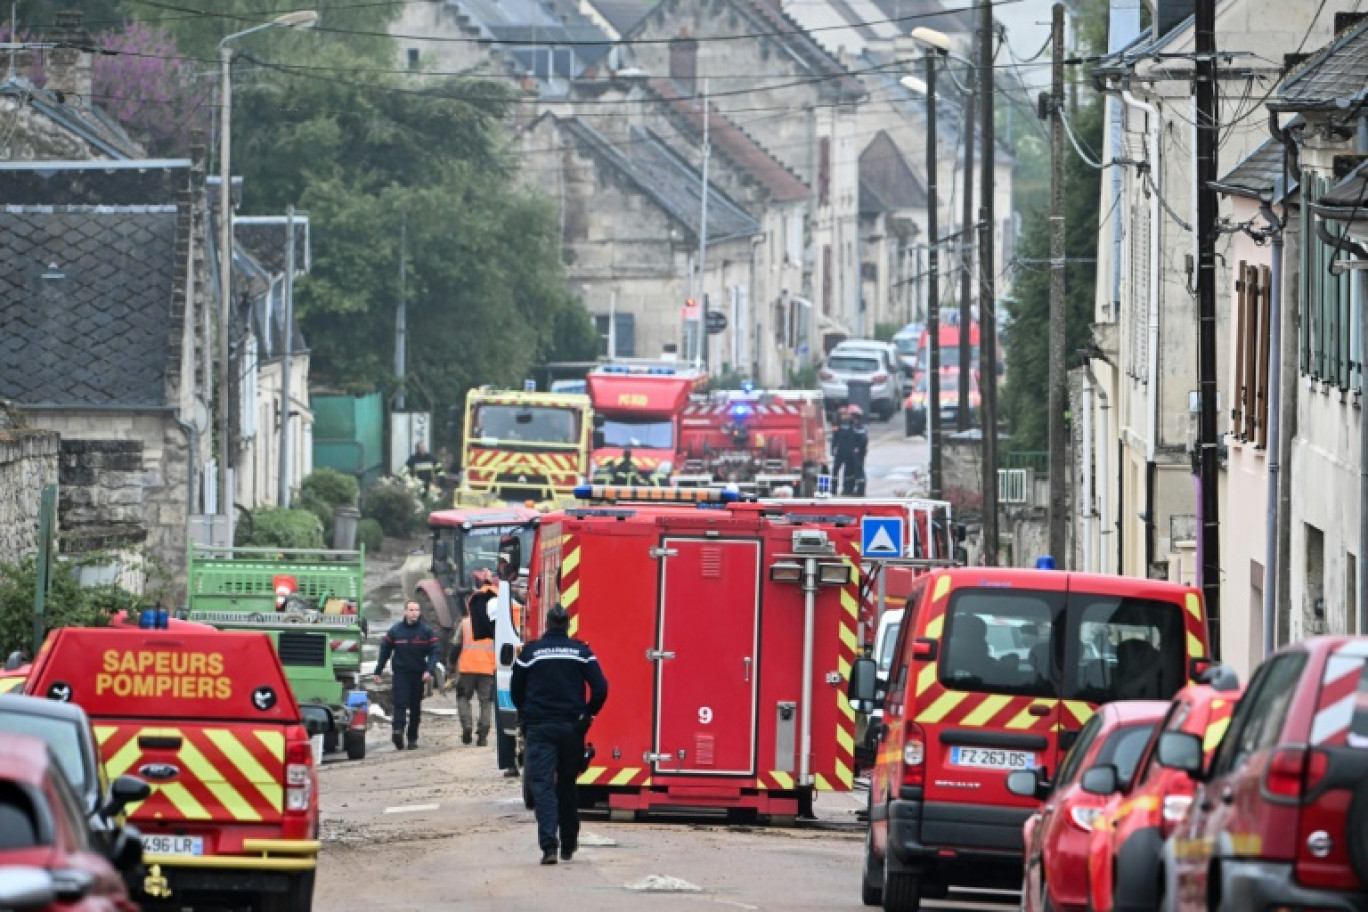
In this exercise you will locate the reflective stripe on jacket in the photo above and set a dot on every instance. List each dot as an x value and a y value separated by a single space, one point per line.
477 656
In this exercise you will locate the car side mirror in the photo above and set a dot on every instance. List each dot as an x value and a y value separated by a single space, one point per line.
23 887
1181 751
124 791
1028 784
1100 780
318 720
126 850
863 685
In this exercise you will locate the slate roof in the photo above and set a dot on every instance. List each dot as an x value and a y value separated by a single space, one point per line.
1257 175
1144 45
265 237
89 122
1334 77
529 22
86 296
730 140
1347 201
887 182
668 180
623 14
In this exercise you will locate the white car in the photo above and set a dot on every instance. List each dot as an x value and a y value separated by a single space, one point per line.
844 366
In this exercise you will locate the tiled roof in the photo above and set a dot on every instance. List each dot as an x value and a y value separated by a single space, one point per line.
529 22
1258 174
265 237
887 182
1334 77
729 140
667 180
797 39
86 296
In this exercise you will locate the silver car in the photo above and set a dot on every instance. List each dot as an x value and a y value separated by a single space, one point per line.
843 366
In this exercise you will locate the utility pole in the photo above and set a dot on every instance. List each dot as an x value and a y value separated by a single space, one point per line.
1058 513
283 483
401 315
703 235
225 497
932 281
1205 144
966 314
987 294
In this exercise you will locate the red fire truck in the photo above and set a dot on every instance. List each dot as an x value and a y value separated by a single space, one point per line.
726 629
759 440
637 407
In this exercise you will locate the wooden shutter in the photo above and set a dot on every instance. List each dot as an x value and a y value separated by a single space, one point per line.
1237 400
1265 339
1251 351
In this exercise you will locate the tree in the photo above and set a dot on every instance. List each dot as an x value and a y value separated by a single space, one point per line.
150 89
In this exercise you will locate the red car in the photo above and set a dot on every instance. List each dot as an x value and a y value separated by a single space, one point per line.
1279 819
1125 853
42 825
1055 875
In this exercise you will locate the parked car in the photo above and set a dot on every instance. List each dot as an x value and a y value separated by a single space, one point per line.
868 366
1056 837
1127 839
906 341
1279 819
42 826
914 408
888 357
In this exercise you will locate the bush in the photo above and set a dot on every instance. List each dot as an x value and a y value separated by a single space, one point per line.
67 604
313 503
804 377
370 536
393 506
278 527
330 487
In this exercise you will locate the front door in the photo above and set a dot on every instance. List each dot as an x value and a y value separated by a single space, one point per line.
706 657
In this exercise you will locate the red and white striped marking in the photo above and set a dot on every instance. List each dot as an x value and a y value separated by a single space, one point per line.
1339 690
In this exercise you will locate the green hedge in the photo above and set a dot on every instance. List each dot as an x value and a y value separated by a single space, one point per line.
331 487
276 527
370 536
394 507
67 604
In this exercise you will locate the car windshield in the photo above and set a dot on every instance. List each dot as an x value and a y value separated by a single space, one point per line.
649 435
480 549
1016 641
536 424
889 643
62 737
1123 748
907 345
851 364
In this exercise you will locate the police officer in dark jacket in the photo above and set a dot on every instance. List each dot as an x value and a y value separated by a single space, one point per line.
414 646
549 682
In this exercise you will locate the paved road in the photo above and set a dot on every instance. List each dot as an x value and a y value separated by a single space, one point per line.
895 465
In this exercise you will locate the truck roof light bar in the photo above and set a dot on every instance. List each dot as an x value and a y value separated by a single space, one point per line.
610 493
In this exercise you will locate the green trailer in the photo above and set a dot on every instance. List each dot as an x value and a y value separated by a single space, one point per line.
309 601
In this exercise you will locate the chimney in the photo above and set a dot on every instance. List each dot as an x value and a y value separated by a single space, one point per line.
1168 13
684 61
68 69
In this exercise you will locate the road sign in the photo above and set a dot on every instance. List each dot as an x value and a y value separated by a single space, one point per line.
881 536
716 322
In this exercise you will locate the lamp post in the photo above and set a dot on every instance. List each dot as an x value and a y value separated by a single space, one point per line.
300 19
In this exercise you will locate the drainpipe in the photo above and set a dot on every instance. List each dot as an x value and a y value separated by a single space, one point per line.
1270 580
1102 470
1085 500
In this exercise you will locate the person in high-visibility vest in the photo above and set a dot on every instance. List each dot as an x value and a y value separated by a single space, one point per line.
476 662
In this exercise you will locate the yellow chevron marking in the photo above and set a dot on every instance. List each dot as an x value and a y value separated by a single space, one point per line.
844 705
935 626
624 777
844 773
571 594
845 740
103 732
848 638
990 707
574 626
1194 646
942 587
1023 719
925 678
1081 710
941 708
850 603
122 761
590 776
1193 605
785 780
843 668
212 779
822 785
1214 733
183 801
274 741
234 750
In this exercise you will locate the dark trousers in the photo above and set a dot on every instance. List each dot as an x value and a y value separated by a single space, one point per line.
408 703
469 686
554 752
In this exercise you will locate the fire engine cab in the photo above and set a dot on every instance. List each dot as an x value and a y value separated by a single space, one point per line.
726 629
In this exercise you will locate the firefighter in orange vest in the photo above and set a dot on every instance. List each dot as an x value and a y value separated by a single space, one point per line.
476 662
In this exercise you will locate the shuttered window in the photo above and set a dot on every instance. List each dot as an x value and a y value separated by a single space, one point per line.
1249 412
1328 342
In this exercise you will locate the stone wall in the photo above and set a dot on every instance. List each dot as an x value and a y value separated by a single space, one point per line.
28 463
102 490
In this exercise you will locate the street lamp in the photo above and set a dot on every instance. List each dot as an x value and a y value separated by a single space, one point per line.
299 19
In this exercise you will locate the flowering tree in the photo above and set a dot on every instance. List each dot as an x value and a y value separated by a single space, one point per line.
142 80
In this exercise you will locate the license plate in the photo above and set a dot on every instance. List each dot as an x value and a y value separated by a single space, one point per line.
988 758
173 845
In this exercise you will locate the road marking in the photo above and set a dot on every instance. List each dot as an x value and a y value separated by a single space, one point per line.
411 808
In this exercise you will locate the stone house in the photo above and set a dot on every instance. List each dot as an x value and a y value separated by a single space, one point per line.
1145 322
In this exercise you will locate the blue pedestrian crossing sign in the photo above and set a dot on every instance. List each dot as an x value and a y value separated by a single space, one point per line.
881 536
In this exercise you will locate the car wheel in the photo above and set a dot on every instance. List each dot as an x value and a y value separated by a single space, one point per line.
356 745
871 881
331 742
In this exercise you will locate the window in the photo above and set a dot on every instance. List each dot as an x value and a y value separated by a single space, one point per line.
848 364
540 424
794 255
652 435
67 808
62 738
1249 416
1329 345
1129 649
1124 747
1177 715
1258 718
1358 725
625 341
1000 641
826 279
1068 769
824 171
412 59
19 824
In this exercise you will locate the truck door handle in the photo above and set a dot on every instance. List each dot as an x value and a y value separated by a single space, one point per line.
1040 709
656 655
748 664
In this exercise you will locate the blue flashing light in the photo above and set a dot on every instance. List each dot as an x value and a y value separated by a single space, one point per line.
747 386
730 496
1045 562
582 492
740 411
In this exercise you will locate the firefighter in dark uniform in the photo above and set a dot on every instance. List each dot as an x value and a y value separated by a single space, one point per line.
422 467
625 471
550 679
849 445
414 646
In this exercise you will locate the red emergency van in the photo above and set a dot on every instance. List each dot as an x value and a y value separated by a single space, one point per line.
997 670
209 721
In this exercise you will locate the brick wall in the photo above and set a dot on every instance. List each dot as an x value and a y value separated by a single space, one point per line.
28 463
